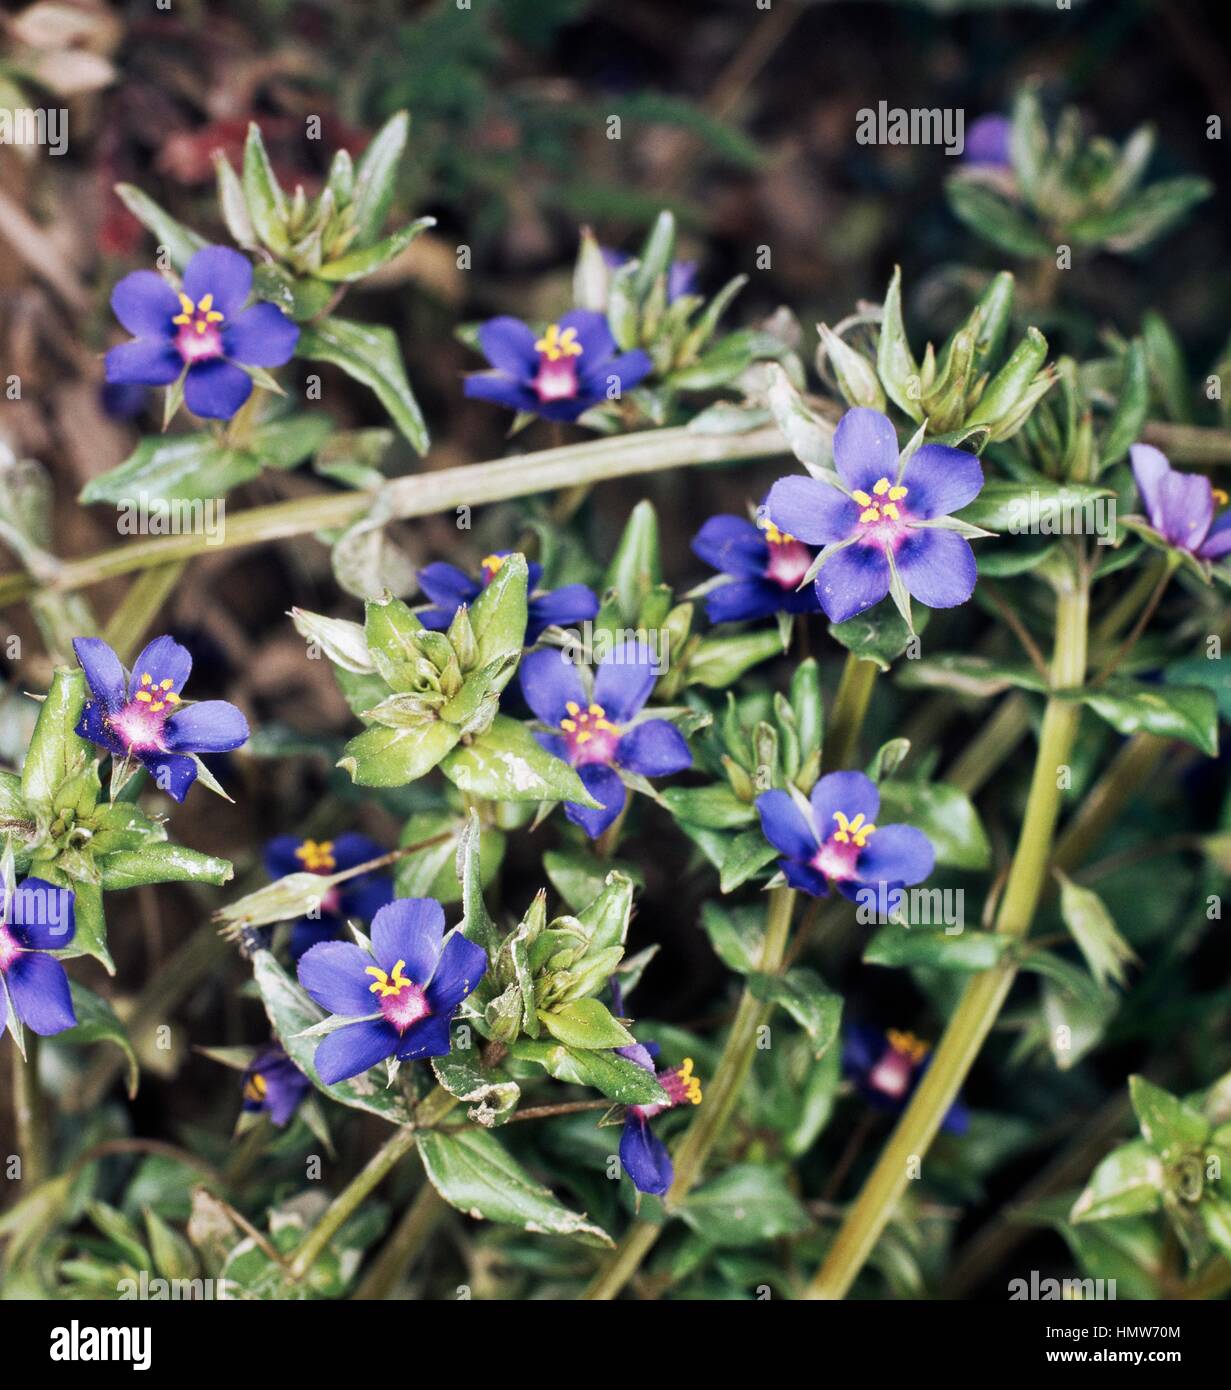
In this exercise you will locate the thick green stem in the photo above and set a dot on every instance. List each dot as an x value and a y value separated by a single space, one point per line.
721 1098
850 706
29 1116
982 1000
423 494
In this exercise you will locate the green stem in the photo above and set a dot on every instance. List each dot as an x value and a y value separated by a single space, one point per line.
1189 443
423 494
716 1110
29 1116
983 997
850 706
417 1224
140 606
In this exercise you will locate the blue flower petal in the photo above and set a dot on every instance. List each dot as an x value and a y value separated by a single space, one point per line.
363 897
563 607
354 1049
145 304
610 379
896 854
810 510
173 773
645 1157
851 793
219 271
458 971
503 390
103 670
212 726
549 680
280 857
39 990
334 974
262 336
1150 467
41 915
215 390
865 449
784 826
940 480
144 362
747 600
852 580
306 933
350 849
593 336
93 726
604 785
937 567
508 344
733 545
654 749
409 930
804 877
162 659
623 681
427 1038
447 586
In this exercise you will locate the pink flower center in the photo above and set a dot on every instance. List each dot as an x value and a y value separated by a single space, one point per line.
882 515
788 561
589 735
681 1086
838 856
893 1074
400 1000
9 950
140 722
199 338
558 352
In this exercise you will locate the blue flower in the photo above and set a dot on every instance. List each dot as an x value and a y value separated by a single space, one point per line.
598 733
887 1066
875 516
402 995
642 1152
142 716
839 844
449 588
273 1083
362 896
987 142
1184 508
681 275
36 917
560 375
203 331
766 565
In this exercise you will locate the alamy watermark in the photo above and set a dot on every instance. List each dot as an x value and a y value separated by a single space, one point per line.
24 125
621 646
918 125
1036 515
880 904
173 516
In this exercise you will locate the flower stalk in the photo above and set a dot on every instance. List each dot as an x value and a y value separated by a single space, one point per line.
29 1115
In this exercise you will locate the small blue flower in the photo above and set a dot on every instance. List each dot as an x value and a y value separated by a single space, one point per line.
142 716
36 917
362 896
642 1152
203 331
987 142
887 1066
273 1083
1184 508
402 996
449 588
681 275
766 568
573 366
839 844
875 515
598 733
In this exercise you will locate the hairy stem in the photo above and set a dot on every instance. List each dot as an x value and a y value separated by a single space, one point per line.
983 997
721 1098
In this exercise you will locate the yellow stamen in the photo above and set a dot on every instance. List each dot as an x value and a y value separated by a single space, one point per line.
853 831
255 1087
879 504
392 983
316 856
554 345
772 534
692 1084
1221 497
492 563
909 1045
144 696
200 316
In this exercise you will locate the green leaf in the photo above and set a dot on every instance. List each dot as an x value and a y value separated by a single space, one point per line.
370 354
382 757
376 176
507 763
499 614
90 937
1168 1124
1216 1215
605 918
1031 506
945 815
879 635
56 752
586 1023
579 877
810 437
995 219
1186 712
472 1172
748 854
715 807
97 1022
266 202
291 1013
809 1001
718 662
969 674
162 863
899 946
358 264
476 924
636 567
491 1095
1106 952
432 872
736 934
895 363
182 242
617 1077
1142 218
1128 1182
749 1204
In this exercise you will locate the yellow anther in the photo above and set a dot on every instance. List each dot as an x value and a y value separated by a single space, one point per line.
569 726
692 1084
393 983
870 514
147 679
144 696
585 736
573 708
172 698
317 857
864 499
853 831
891 510
554 345
881 487
879 504
772 533
492 563
199 315
166 684
897 492
255 1087
907 1044
1220 495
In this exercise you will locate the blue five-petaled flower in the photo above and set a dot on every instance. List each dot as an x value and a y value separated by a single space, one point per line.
141 715
202 331
449 588
887 1066
402 996
878 519
362 896
766 566
595 733
839 844
35 917
1182 507
559 375
274 1084
642 1152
